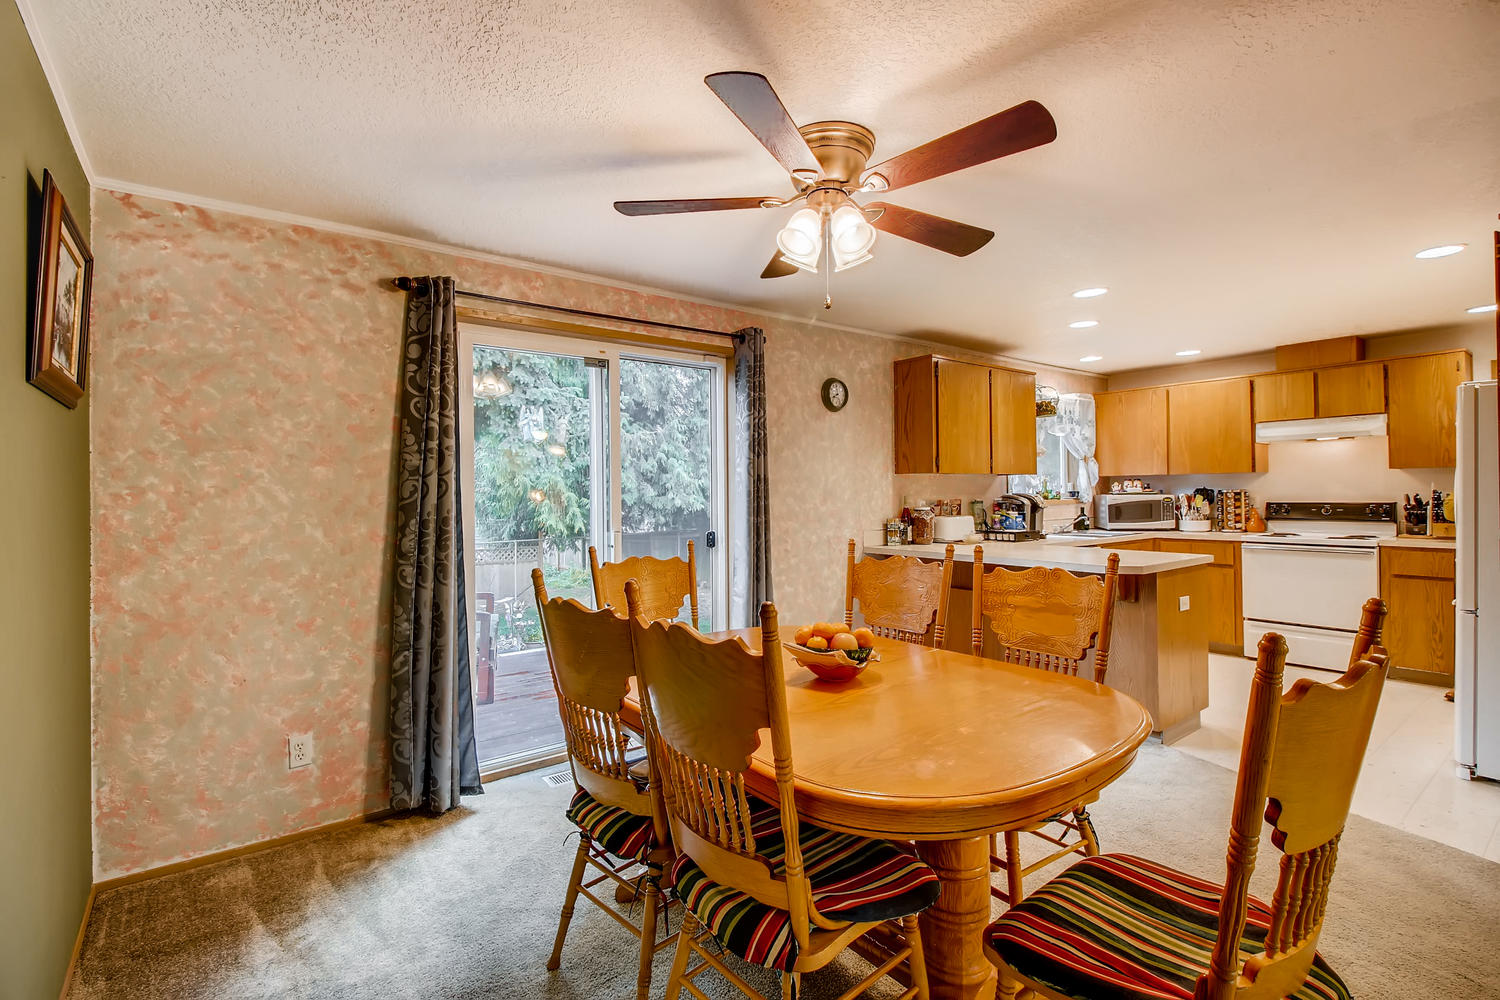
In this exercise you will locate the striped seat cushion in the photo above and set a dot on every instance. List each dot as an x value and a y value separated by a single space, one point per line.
619 831
1117 927
852 879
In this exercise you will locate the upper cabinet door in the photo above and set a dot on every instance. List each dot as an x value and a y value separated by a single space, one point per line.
1283 396
1130 431
963 417
1423 402
1351 390
1012 422
1210 427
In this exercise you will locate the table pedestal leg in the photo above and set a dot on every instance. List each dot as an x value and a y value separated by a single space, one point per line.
952 928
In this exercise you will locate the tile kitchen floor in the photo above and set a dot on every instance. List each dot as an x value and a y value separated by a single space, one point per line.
1409 779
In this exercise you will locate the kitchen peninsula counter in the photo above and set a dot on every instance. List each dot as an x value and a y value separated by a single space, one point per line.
1159 650
1081 556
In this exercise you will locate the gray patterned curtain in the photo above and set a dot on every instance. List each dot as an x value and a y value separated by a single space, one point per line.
433 756
750 500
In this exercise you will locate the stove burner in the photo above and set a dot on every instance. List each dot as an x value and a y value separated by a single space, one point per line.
1352 536
1282 534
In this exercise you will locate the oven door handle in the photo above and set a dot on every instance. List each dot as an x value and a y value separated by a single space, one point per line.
1274 546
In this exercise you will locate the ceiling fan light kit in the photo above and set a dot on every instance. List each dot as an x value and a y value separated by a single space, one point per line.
827 165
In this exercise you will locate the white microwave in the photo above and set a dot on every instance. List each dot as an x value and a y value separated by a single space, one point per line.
1135 511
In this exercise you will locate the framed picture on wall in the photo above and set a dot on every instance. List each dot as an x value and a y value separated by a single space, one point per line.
58 360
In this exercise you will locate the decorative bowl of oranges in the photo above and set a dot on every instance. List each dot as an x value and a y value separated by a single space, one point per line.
833 652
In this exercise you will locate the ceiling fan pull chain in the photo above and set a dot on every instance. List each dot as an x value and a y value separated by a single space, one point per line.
827 264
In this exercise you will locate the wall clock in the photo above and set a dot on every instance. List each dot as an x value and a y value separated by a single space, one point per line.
835 395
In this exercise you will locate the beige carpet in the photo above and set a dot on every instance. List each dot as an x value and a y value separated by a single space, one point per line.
466 906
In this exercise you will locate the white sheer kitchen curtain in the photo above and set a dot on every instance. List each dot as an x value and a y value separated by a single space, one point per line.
1074 427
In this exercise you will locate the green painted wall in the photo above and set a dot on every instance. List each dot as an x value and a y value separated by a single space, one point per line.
46 862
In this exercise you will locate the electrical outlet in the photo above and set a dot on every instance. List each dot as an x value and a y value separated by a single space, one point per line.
299 751
1184 602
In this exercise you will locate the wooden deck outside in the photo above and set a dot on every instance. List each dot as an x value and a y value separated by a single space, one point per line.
523 715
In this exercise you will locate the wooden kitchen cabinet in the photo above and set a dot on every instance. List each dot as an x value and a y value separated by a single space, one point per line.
1351 390
1417 586
1284 396
1130 432
1139 545
1012 422
961 417
1221 595
1210 427
1422 402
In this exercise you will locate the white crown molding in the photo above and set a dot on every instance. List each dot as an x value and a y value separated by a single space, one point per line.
344 229
49 70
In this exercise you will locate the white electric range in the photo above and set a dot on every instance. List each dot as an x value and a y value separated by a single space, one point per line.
1309 574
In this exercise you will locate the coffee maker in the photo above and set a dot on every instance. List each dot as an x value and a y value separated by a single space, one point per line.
1019 512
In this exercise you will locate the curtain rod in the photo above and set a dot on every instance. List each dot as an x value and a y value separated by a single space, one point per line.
406 284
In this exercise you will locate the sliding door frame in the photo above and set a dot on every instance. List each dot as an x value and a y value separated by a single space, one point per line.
491 333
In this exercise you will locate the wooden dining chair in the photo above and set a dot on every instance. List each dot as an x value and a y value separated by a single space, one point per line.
622 826
773 890
664 583
1049 619
900 597
1121 926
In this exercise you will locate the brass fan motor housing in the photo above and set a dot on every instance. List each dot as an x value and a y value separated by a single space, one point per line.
842 149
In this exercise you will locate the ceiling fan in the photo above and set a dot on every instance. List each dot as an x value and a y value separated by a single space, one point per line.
827 162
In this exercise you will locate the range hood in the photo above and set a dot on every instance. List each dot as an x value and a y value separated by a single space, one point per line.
1319 428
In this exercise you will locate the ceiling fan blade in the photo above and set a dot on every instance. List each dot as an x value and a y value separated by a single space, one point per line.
673 206
755 104
778 268
1021 127
935 231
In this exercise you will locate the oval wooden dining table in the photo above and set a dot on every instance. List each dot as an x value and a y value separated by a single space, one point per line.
943 748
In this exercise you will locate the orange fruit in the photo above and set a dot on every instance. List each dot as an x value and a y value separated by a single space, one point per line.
827 629
817 642
844 640
803 634
865 637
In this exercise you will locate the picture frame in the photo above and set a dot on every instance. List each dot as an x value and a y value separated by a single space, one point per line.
57 361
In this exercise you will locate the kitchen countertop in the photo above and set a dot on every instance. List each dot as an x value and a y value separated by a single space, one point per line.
1417 542
1078 556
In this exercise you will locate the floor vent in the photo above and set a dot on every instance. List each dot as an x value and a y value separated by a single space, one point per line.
558 778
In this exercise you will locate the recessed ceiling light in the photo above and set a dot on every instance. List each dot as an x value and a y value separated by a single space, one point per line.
1446 250
1088 293
1084 324
1187 354
1091 357
1482 309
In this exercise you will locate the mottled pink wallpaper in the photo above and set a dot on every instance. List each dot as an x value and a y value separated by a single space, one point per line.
244 387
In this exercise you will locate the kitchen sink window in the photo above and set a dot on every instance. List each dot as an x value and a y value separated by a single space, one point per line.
1064 450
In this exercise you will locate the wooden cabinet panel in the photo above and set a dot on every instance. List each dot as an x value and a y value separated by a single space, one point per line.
1285 396
1130 429
1210 427
1423 398
916 416
1351 390
1012 422
963 417
1221 595
1417 587
1314 353
1139 545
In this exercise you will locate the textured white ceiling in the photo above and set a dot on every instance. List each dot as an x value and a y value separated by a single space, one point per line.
1238 174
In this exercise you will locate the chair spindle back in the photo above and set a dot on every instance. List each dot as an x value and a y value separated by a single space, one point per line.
900 597
592 662
1299 762
1046 618
664 584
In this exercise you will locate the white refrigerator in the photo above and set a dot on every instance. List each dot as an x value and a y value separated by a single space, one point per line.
1476 500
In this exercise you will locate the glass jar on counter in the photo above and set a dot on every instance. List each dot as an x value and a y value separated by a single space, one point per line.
895 532
921 526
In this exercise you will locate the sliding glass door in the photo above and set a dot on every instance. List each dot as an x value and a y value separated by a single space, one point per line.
573 444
